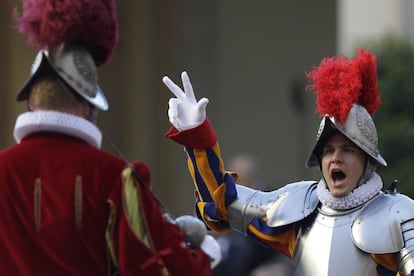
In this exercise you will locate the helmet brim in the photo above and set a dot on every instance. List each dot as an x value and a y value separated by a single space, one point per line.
44 63
327 130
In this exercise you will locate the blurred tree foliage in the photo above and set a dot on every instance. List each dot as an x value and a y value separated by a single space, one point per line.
395 116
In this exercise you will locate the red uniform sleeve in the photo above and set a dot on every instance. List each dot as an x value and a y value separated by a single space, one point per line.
200 137
143 242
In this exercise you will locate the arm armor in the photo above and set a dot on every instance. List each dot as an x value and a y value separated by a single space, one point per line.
406 256
386 225
286 205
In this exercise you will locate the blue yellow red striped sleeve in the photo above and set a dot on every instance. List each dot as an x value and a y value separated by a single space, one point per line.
215 188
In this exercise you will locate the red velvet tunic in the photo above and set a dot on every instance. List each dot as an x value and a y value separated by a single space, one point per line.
62 205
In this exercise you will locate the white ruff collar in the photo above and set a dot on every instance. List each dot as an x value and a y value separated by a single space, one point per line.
357 197
30 122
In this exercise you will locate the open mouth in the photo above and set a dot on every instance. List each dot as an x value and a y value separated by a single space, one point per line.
337 175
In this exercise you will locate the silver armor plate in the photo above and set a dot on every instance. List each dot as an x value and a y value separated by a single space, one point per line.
286 205
334 242
383 218
325 247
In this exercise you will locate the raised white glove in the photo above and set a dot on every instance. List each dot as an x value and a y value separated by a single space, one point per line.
184 111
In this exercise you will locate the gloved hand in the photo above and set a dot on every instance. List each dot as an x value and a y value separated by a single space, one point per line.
193 228
196 236
184 111
212 248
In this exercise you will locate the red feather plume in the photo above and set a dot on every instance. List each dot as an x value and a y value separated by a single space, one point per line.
339 82
91 23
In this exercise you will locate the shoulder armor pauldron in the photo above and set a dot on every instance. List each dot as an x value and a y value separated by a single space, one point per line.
295 202
377 229
286 205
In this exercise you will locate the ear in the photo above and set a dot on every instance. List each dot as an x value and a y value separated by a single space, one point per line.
89 112
29 104
85 109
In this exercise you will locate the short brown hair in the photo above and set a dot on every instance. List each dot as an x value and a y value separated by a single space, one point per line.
49 92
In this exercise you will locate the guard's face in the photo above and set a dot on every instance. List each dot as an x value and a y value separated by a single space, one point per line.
343 164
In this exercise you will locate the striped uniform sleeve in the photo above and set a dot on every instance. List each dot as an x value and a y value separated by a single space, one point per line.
215 188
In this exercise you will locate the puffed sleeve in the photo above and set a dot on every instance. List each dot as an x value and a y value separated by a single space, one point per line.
214 187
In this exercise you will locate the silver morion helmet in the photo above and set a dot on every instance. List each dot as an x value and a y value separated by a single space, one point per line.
75 65
358 127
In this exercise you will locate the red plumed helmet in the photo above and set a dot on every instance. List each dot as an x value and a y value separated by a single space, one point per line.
347 95
73 38
339 82
91 23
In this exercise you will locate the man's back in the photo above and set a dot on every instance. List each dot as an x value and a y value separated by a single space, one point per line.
53 206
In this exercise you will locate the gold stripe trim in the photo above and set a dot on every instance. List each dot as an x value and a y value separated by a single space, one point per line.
37 204
133 209
78 202
109 233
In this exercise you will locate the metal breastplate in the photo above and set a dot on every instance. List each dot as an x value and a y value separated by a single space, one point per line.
325 247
